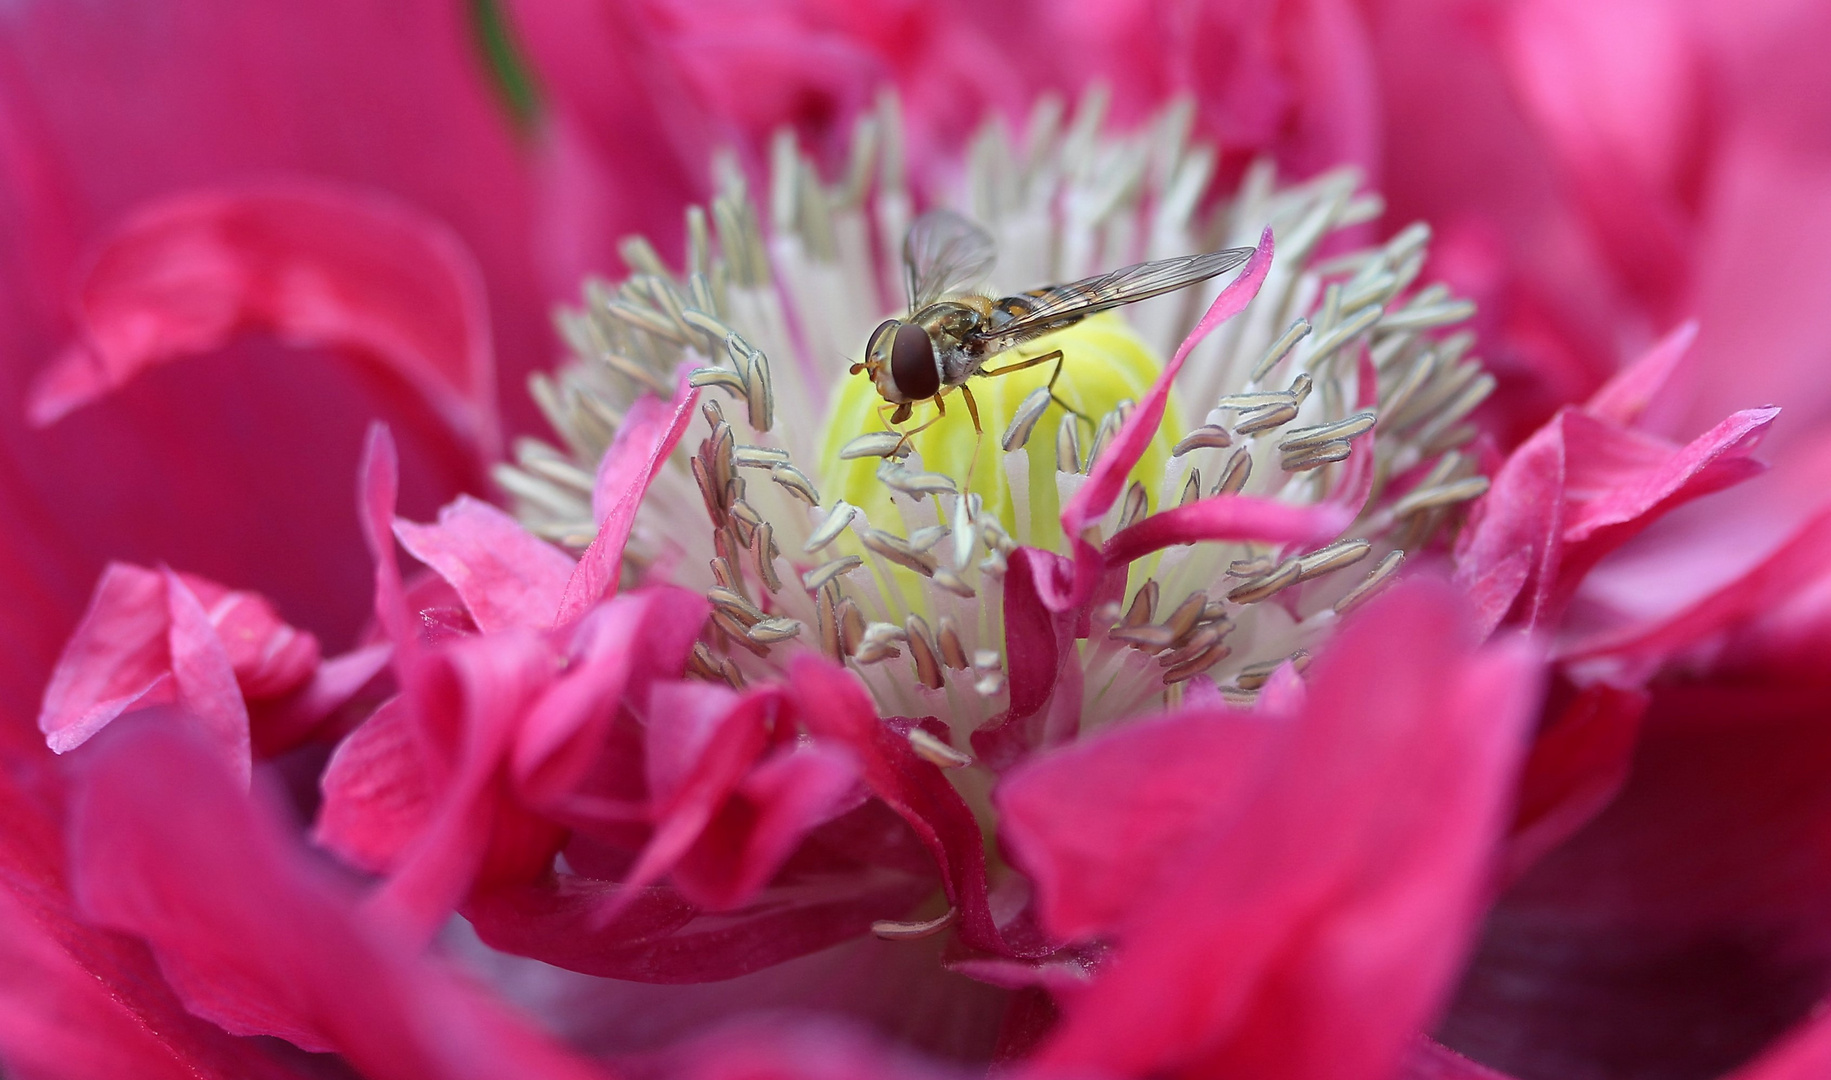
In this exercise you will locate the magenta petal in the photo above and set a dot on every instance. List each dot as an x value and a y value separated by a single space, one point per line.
658 937
1092 822
377 487
835 706
1626 396
1043 671
644 440
1764 590
1430 1060
1577 766
164 846
1309 929
1106 477
206 680
618 648
377 793
506 576
1227 517
778 803
312 263
116 655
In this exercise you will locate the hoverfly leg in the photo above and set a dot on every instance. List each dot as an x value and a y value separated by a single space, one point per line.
1053 376
940 411
972 410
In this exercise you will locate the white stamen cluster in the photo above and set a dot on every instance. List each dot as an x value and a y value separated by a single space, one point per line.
770 318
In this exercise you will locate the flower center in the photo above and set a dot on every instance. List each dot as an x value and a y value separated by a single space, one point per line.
1341 382
1105 367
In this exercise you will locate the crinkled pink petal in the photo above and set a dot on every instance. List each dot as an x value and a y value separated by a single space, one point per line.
701 740
1625 397
661 938
1752 613
465 701
1617 478
617 648
1227 517
1513 535
1043 672
506 575
163 845
206 680
377 488
117 654
313 263
1108 809
281 725
1106 477
1580 488
835 706
270 658
644 440
778 802
378 795
1309 928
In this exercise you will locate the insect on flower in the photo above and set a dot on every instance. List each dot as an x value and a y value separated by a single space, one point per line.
952 331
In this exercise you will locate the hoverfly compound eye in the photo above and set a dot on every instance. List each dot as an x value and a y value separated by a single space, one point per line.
876 340
912 363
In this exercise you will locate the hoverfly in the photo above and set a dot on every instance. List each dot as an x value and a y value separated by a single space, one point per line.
952 331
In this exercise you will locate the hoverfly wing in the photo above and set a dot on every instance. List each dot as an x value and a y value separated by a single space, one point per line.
1044 308
945 253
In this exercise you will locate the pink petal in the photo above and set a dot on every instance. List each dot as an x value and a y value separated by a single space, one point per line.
466 700
59 1020
1683 931
1310 928
1227 517
1106 810
1805 1053
281 725
1429 1060
1626 396
378 795
834 706
115 657
618 648
378 485
206 680
797 1049
253 938
647 436
1752 612
312 263
660 938
761 824
507 576
701 741
1577 766
270 658
1106 477
1040 662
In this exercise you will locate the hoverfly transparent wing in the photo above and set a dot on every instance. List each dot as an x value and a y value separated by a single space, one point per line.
1043 310
945 253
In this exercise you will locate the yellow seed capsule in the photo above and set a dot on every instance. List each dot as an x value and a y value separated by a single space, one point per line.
1104 363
